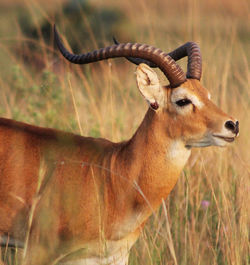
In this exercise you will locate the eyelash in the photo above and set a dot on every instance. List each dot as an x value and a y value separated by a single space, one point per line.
183 102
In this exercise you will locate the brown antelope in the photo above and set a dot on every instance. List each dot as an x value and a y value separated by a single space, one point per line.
79 200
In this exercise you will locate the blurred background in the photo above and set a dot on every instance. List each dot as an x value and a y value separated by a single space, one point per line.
207 214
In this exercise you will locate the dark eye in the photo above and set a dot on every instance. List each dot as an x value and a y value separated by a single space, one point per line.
183 102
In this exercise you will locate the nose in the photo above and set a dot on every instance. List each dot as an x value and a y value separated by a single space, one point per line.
233 127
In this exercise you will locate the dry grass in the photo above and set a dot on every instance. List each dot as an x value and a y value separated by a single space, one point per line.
206 218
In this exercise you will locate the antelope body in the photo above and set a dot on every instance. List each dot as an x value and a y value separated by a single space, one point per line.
80 200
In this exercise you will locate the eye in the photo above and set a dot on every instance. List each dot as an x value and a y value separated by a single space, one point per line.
183 102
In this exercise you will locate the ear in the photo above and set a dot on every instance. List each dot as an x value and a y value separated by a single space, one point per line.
149 85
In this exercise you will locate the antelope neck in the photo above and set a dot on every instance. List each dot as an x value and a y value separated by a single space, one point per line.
158 160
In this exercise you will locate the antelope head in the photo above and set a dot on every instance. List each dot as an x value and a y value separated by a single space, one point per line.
186 111
183 108
192 116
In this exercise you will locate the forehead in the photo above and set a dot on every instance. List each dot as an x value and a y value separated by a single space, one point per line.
191 87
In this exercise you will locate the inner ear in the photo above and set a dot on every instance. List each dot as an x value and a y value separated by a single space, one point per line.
149 86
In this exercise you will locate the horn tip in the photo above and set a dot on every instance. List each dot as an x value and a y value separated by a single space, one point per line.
115 40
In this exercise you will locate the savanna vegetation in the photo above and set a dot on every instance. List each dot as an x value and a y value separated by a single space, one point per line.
206 218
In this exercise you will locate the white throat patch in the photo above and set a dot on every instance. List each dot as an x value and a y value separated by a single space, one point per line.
177 153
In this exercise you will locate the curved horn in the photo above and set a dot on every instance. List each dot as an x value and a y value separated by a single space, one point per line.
190 49
167 65
136 61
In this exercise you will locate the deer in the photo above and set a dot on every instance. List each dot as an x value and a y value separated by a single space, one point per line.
69 199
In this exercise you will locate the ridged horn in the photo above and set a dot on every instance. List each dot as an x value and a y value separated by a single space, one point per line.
190 49
167 65
136 61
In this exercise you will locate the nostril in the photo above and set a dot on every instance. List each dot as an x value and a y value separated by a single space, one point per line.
237 127
233 127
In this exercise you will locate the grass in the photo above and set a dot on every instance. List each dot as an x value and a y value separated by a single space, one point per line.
205 220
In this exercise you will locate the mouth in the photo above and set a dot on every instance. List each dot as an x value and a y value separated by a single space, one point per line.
227 139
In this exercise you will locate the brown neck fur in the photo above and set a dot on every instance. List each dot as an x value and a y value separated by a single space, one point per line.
148 162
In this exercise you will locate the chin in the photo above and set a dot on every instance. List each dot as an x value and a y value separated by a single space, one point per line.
222 141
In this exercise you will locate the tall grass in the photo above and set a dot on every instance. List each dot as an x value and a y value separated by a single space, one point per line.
206 218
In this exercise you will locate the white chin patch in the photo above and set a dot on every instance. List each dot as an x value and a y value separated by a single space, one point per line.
209 140
220 142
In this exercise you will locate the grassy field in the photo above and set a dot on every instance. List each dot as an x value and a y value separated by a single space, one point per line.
206 218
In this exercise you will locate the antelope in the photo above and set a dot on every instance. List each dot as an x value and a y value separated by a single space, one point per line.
95 196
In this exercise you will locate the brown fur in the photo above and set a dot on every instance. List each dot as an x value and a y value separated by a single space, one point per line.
88 192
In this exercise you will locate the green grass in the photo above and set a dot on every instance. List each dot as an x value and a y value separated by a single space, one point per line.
35 88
